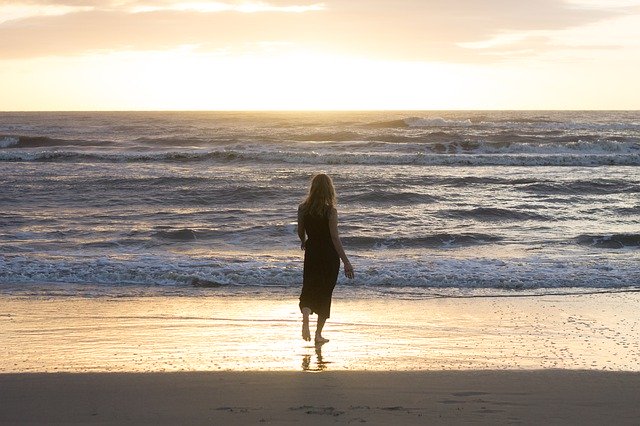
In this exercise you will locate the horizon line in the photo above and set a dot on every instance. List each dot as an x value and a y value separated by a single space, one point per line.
322 110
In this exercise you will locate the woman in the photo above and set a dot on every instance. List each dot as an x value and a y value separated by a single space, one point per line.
318 232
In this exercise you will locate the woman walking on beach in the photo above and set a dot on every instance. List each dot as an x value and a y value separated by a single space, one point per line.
318 232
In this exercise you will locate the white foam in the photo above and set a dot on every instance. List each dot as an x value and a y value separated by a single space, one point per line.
7 141
378 271
536 156
560 148
436 122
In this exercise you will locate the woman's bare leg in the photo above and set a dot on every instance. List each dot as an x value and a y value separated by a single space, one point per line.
306 334
319 327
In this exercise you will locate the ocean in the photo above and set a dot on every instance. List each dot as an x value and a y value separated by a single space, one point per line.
430 203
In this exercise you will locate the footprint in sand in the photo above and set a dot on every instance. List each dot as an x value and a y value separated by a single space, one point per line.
469 393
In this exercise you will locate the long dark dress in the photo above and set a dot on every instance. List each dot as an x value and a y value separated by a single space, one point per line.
321 265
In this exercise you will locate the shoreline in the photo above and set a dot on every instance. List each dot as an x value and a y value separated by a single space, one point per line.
343 291
486 397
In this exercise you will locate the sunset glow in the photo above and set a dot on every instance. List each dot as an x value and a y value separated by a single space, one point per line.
167 55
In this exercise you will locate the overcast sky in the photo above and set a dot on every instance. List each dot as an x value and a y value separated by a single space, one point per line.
50 51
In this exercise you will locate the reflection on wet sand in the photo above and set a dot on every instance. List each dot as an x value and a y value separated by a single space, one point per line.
320 364
211 333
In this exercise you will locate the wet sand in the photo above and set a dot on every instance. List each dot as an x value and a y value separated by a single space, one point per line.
239 360
240 333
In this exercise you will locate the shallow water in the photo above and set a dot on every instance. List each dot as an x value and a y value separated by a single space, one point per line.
262 332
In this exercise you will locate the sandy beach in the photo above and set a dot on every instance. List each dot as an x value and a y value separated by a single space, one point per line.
239 359
482 397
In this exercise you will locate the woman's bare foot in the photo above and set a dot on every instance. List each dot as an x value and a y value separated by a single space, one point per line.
306 334
320 339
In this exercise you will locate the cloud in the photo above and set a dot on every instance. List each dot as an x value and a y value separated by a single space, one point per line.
207 7
33 8
437 30
11 12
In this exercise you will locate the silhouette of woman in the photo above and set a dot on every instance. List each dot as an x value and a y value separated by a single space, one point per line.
318 232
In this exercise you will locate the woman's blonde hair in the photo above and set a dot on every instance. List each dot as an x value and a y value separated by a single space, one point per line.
322 196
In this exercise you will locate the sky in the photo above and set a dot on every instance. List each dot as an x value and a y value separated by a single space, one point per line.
319 55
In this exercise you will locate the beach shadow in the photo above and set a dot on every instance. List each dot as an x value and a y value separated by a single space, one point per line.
320 364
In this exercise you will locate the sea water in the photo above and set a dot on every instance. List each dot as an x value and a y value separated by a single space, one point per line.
429 202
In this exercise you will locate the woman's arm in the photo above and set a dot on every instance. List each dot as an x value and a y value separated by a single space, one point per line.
301 228
337 244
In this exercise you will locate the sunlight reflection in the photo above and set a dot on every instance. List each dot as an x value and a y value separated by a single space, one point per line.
320 364
262 332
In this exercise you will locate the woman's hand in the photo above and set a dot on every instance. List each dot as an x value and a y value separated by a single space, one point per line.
303 244
348 270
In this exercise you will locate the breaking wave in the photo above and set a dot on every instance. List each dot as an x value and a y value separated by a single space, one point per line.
8 141
612 241
437 240
433 272
298 157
